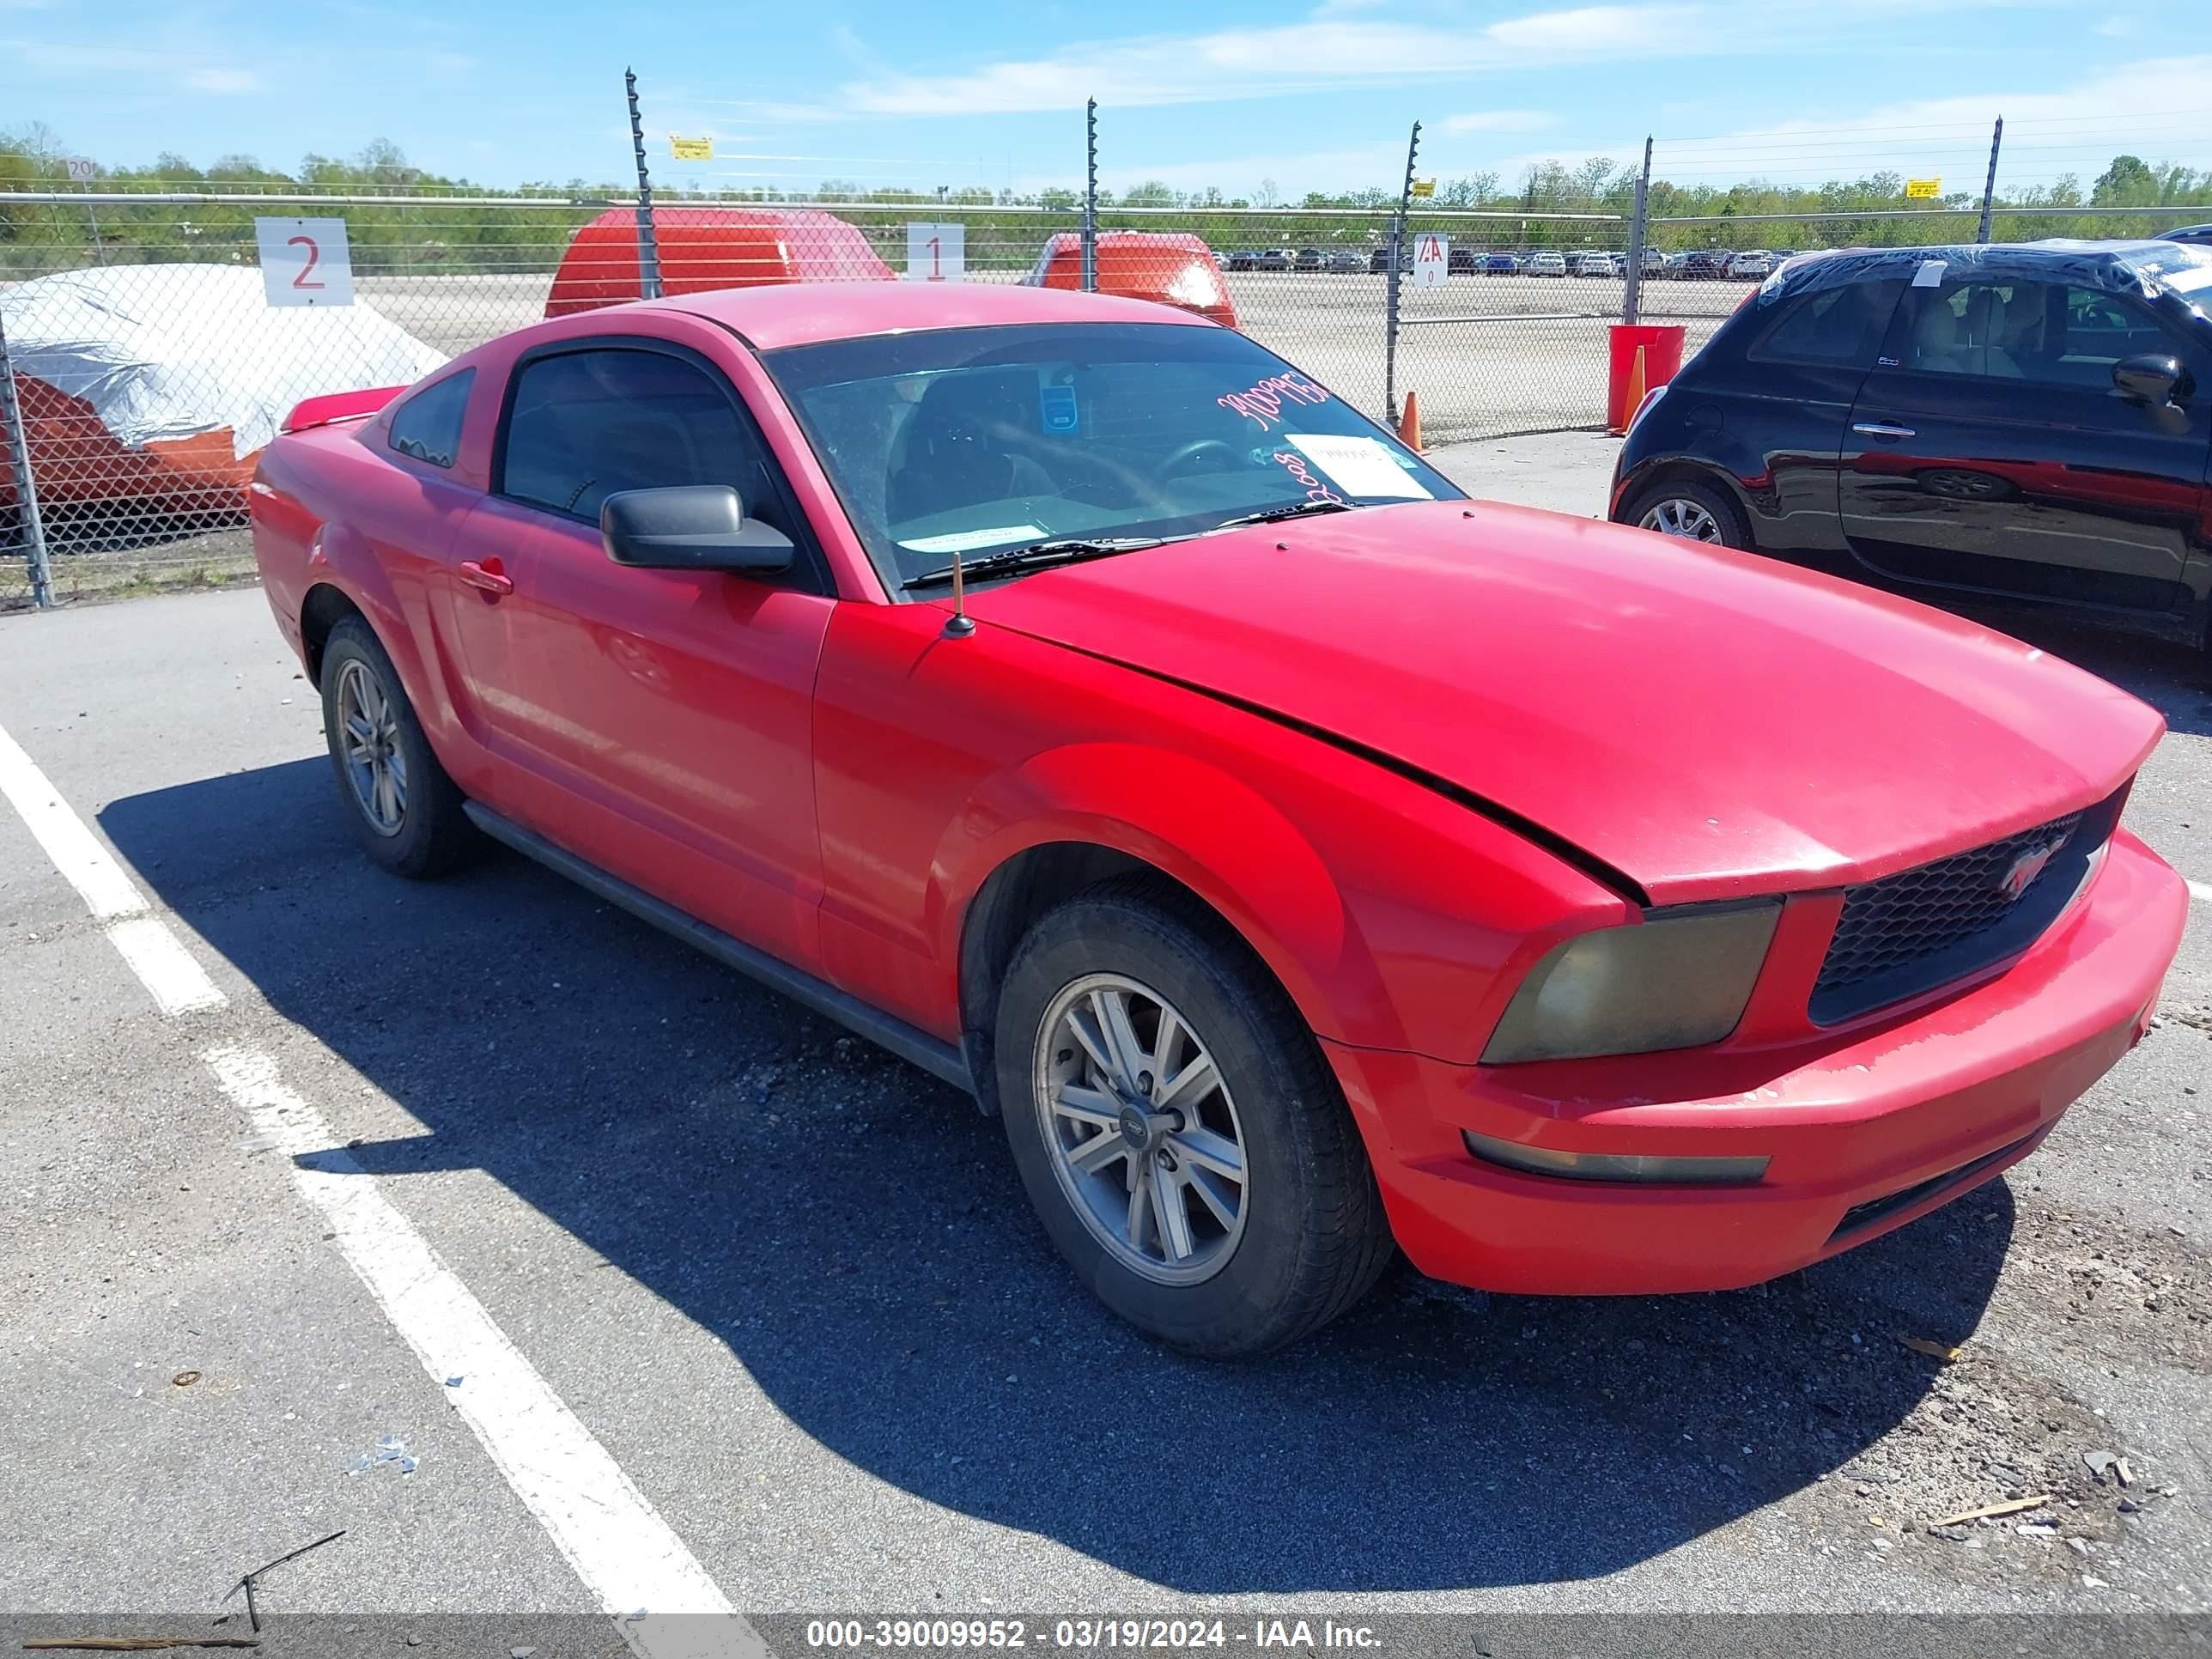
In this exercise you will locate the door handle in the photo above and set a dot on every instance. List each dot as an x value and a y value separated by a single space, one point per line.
1880 429
487 576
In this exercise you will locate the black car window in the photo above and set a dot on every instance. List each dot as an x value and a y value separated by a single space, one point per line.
584 425
428 426
2044 333
1833 326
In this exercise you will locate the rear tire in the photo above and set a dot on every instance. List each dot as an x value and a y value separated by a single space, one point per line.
1209 1262
1691 510
406 810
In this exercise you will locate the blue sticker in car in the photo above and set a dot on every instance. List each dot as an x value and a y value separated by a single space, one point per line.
1056 407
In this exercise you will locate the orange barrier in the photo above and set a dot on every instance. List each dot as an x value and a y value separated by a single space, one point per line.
701 249
1172 267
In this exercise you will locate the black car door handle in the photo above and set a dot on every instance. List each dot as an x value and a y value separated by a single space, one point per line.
1880 429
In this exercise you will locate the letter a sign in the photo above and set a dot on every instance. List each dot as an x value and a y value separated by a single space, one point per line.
1431 260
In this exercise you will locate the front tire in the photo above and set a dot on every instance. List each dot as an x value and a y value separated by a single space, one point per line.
406 810
1177 1129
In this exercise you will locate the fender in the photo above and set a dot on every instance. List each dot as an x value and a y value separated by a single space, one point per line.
1203 826
340 558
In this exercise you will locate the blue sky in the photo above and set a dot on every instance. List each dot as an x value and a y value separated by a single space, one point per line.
1311 96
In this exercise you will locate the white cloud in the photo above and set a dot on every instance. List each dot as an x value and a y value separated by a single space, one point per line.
219 79
1500 120
1322 50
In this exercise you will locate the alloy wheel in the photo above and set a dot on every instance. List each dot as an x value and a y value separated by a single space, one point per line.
1140 1129
1678 516
368 737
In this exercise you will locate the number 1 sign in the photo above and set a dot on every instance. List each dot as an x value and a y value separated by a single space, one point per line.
935 253
305 262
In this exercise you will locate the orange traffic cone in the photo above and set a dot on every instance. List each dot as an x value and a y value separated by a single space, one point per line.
1632 398
1409 423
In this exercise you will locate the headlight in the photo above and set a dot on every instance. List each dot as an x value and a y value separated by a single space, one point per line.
1676 979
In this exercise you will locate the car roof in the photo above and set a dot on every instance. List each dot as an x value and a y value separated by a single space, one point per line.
774 316
2141 266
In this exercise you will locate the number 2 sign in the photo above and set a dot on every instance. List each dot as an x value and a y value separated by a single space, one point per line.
305 262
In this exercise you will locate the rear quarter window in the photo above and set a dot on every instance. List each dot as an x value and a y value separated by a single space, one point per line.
1841 326
426 426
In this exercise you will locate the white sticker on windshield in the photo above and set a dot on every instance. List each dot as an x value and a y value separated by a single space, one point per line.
1930 274
1360 467
964 541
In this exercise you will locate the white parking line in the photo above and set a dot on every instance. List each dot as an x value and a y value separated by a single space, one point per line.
171 972
627 1555
2201 892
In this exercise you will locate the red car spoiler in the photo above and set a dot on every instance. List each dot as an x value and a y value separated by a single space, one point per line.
335 406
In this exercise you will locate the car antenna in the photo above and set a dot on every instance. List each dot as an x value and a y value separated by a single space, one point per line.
961 624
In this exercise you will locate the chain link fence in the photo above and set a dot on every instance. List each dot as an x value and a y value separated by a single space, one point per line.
150 364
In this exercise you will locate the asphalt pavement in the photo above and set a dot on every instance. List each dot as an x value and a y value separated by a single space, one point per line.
784 1292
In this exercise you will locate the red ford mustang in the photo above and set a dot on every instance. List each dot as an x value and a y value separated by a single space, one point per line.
1297 855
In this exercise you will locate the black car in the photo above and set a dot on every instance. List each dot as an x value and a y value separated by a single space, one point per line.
1710 264
2029 422
2187 233
1378 258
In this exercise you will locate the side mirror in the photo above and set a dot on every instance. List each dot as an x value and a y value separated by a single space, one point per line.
689 527
2150 377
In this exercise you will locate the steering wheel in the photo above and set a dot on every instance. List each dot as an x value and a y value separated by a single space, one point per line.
1184 454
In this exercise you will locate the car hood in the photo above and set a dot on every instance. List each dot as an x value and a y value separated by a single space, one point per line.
1706 723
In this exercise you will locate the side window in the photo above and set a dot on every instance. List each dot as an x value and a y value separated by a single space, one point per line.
1838 325
428 426
2045 333
585 424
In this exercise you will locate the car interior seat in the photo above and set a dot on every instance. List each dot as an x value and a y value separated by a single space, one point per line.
964 445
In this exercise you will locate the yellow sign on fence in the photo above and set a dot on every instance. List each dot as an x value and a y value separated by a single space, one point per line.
1424 187
691 149
1924 187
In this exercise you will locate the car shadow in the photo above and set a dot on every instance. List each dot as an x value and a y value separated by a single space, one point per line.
854 1233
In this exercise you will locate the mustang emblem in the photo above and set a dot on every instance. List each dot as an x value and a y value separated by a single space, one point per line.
2023 871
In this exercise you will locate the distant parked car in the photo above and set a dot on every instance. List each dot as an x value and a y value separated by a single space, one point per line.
1464 261
1752 261
1270 259
1241 258
1705 264
1378 258
1311 259
1344 259
1591 263
2187 233
1544 263
1499 263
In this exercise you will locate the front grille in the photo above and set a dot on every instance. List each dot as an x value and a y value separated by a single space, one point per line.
1940 921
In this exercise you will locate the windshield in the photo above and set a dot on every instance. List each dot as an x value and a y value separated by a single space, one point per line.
983 441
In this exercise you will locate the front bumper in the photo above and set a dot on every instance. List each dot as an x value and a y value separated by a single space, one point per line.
1864 1130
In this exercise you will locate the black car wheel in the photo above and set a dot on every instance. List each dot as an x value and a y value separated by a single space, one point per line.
405 811
1177 1129
1693 511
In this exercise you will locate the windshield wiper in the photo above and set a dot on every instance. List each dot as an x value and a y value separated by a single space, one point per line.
1296 509
1071 549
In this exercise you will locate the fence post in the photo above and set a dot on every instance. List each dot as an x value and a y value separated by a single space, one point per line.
26 491
1390 283
648 249
1633 295
1989 185
1090 196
